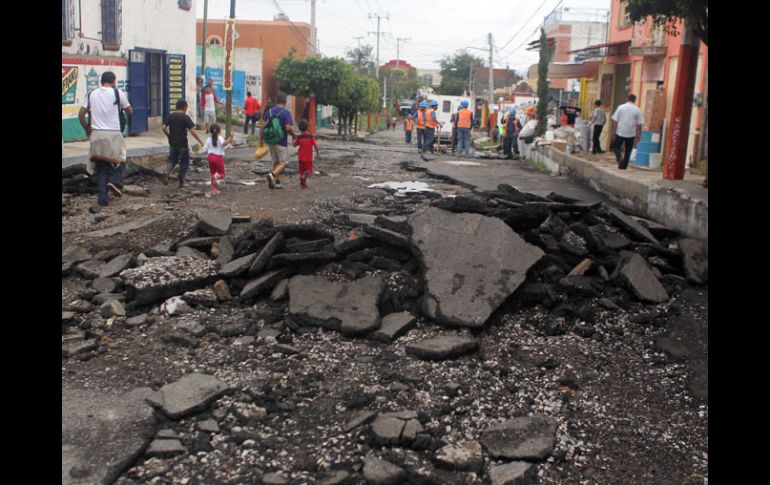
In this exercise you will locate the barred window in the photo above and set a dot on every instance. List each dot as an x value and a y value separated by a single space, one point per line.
111 28
67 20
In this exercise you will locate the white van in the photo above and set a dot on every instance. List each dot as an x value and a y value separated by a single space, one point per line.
446 106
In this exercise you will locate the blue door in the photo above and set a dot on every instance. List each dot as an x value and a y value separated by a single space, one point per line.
137 80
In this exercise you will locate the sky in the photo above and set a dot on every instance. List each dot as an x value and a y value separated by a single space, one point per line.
433 28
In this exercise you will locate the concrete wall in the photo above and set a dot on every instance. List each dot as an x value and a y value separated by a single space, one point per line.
248 60
663 201
152 24
274 38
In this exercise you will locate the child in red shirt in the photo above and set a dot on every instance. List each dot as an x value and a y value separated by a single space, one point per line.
306 142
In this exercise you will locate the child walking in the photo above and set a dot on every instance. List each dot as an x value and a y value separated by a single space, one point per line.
306 142
215 147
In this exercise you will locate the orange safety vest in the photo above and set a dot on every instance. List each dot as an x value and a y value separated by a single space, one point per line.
408 125
420 123
428 118
464 118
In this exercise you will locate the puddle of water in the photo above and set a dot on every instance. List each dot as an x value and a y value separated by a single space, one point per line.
463 163
413 187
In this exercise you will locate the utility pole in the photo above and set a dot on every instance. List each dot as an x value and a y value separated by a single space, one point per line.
203 42
679 127
377 15
398 52
229 97
359 40
312 28
491 73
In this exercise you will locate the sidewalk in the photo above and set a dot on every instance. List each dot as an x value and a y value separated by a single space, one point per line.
145 144
680 204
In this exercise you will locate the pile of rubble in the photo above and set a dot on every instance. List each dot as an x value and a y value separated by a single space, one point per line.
457 262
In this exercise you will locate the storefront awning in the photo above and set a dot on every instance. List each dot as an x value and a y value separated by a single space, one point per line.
573 71
617 48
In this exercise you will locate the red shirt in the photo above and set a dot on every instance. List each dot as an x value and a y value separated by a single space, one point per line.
251 106
305 141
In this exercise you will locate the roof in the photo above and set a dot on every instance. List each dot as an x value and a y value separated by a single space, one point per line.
599 46
573 70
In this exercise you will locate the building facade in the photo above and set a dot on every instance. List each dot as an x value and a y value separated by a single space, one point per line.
154 64
641 59
265 41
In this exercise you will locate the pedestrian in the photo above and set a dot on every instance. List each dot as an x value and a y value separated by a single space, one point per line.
431 122
306 142
464 127
215 148
251 110
419 120
176 127
527 133
408 129
209 101
628 120
276 126
104 128
394 123
503 135
512 129
453 138
597 119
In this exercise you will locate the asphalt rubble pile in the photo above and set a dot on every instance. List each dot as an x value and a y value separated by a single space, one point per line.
452 265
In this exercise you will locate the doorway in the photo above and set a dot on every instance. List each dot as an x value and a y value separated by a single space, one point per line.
622 85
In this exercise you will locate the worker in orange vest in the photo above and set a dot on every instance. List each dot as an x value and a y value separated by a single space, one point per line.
512 132
431 122
464 125
408 130
419 121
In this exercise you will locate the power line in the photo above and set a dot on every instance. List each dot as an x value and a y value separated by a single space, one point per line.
294 27
527 22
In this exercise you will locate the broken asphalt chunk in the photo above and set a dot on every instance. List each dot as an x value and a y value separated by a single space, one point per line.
630 225
164 277
191 393
350 307
214 223
443 347
523 438
464 287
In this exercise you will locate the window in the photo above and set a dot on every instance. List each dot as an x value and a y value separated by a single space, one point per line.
446 106
215 41
111 29
624 18
67 21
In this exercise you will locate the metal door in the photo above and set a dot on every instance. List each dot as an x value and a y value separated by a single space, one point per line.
137 79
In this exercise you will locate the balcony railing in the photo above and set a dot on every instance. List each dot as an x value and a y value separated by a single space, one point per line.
647 41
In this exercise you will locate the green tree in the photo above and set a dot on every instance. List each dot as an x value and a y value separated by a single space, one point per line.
666 13
402 83
455 72
362 60
542 86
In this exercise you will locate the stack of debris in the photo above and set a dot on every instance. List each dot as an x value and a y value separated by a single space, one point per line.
454 262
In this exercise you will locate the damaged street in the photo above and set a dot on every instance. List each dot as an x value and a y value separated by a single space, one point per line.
401 322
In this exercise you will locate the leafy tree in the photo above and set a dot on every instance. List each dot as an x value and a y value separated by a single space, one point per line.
666 14
402 83
455 72
362 59
542 86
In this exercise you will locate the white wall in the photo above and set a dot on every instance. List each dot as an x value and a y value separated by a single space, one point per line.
585 34
154 24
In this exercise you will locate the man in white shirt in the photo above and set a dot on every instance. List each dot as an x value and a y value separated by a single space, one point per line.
627 123
107 155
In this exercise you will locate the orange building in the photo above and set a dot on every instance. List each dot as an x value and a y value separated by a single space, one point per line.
643 60
275 38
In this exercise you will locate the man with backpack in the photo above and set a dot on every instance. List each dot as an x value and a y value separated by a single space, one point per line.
276 126
106 121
